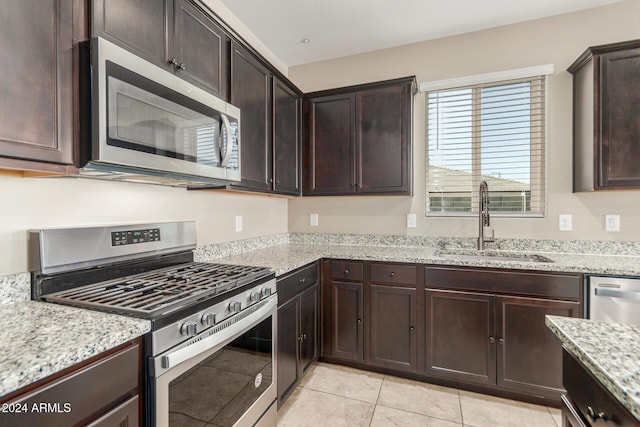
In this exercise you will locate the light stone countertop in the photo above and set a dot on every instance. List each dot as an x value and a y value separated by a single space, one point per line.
609 350
289 256
40 339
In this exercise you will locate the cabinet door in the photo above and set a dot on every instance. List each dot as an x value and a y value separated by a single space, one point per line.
251 92
202 47
620 127
460 336
286 138
383 135
36 102
570 415
529 355
308 327
344 331
393 327
139 26
329 149
288 340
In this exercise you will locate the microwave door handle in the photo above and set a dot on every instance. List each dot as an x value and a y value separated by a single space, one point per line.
628 295
225 146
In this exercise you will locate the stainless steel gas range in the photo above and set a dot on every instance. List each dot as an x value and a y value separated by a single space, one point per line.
210 355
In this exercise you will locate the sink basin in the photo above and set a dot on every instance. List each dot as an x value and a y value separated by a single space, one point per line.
492 256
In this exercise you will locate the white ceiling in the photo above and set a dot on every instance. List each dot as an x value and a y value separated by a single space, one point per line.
338 28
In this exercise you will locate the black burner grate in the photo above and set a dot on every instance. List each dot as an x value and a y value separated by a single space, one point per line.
163 290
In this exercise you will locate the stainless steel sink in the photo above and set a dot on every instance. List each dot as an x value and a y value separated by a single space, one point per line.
491 256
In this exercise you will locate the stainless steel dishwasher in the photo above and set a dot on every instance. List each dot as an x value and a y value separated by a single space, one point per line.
614 299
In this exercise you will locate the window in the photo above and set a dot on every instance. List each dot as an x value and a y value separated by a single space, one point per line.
493 131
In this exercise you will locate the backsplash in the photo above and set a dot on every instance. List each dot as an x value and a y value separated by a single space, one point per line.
17 287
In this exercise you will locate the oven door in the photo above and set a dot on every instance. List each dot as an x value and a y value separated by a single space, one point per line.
225 376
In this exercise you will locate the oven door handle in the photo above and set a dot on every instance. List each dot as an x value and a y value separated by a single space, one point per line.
234 326
628 295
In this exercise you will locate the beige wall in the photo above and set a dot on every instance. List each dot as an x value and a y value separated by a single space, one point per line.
557 40
29 203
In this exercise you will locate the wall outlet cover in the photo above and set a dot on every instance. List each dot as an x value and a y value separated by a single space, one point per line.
612 222
313 219
411 220
238 223
565 222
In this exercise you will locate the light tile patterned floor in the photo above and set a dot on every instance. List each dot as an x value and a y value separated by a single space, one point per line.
332 395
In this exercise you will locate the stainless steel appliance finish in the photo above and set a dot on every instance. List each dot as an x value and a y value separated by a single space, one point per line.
483 216
614 299
146 122
213 325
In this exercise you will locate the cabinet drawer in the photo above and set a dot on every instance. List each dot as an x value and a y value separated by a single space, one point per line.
393 274
296 282
124 415
347 270
81 394
586 392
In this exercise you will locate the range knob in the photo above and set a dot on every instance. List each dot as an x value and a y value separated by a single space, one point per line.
208 319
265 292
235 306
255 296
189 329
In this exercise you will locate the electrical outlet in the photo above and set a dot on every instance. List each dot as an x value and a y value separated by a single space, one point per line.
612 222
238 223
411 220
566 222
313 219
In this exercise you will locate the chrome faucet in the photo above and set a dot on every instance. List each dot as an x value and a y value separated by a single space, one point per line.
483 215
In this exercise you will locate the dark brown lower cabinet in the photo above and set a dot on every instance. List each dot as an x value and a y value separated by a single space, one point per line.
529 355
496 340
393 327
460 341
104 391
343 306
298 314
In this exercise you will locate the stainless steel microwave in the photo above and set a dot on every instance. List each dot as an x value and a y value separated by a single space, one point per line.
141 122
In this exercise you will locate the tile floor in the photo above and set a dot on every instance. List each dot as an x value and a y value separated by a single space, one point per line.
332 395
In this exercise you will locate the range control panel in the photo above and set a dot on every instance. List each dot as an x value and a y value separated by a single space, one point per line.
129 237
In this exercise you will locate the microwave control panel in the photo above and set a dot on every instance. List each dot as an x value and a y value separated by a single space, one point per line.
129 237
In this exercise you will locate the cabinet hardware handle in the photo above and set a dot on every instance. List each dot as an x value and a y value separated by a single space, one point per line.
346 272
392 275
270 180
500 341
182 66
595 415
304 336
303 280
359 321
412 328
174 62
492 340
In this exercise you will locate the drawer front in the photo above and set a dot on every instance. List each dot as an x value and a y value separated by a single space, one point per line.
125 415
563 286
80 394
590 397
393 274
292 284
347 270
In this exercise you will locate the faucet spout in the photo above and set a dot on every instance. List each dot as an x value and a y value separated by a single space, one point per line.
484 219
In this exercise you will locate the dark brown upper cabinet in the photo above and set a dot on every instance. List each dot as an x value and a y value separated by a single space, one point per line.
251 92
606 118
173 34
36 106
286 138
358 139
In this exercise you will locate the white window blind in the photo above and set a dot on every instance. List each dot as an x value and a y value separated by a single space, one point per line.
491 132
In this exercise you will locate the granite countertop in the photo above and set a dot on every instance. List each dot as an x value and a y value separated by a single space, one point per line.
609 350
289 256
40 339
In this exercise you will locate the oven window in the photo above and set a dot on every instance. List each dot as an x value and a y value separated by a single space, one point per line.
218 391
